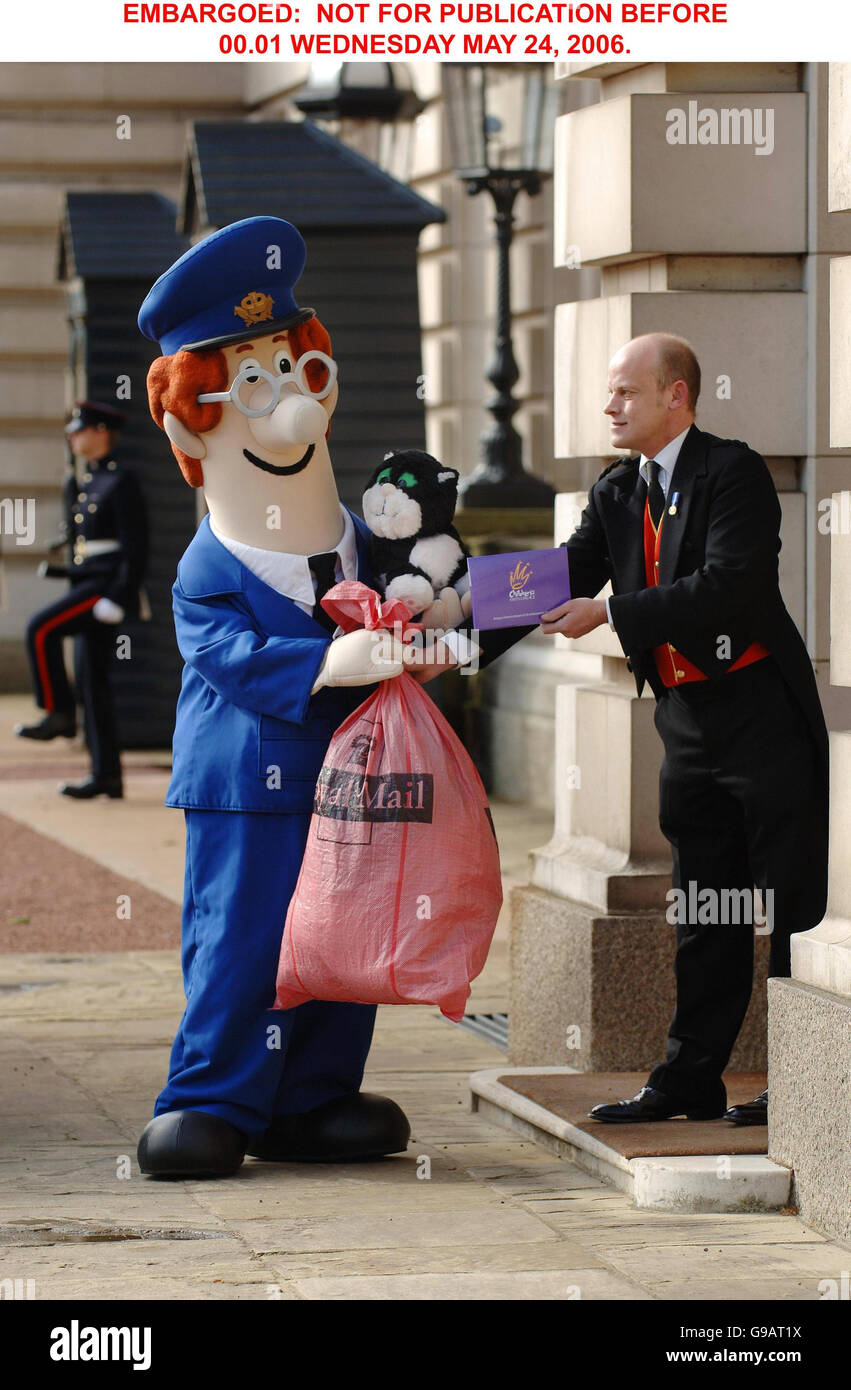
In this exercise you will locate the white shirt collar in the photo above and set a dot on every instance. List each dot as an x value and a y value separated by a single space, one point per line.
290 574
666 459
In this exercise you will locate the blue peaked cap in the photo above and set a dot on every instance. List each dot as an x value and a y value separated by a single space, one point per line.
234 285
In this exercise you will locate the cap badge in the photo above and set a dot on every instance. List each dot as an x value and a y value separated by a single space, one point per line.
255 307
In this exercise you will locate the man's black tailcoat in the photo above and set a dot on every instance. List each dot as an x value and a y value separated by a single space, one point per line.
718 571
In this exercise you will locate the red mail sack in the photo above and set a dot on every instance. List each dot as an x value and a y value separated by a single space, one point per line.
399 889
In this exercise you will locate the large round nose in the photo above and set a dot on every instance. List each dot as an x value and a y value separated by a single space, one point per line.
295 420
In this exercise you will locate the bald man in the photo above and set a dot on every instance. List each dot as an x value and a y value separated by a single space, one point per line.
687 530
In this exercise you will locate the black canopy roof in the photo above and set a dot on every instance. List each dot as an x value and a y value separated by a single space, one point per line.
113 235
292 169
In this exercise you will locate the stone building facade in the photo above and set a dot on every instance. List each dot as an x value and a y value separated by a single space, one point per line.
810 1014
745 254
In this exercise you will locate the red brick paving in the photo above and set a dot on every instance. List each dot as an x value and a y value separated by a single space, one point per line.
54 899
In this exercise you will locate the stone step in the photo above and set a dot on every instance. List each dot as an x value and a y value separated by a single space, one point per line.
716 1181
30 205
123 86
32 460
26 261
54 144
38 330
14 298
26 394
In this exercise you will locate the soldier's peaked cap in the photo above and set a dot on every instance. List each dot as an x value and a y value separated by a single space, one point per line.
234 285
86 413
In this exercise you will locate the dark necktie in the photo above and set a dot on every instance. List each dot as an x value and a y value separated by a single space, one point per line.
324 573
655 493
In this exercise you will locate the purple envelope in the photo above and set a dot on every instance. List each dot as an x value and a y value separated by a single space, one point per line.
513 590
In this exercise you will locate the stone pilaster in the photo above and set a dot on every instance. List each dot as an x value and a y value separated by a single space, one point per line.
810 1014
591 947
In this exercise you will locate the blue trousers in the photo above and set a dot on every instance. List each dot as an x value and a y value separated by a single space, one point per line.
233 1056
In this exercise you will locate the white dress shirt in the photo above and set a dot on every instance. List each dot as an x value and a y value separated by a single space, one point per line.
290 575
667 461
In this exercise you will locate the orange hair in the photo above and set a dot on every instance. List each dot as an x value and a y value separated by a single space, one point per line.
175 382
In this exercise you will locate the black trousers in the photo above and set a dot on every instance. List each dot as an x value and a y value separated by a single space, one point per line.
742 802
72 616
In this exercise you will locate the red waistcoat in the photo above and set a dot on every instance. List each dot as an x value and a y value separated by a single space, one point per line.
673 667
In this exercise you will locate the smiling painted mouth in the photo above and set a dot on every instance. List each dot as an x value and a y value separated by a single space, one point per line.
284 469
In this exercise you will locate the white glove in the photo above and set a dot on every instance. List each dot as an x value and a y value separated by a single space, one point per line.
105 611
448 610
359 658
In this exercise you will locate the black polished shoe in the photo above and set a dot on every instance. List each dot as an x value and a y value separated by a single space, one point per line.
190 1144
359 1126
751 1112
55 725
93 786
651 1104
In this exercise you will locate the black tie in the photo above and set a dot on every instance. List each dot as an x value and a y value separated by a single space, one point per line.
324 573
655 493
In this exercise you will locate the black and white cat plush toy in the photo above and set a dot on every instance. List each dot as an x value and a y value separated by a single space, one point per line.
417 554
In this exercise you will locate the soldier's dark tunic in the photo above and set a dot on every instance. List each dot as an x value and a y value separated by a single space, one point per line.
106 524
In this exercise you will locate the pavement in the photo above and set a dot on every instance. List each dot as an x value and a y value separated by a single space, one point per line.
90 994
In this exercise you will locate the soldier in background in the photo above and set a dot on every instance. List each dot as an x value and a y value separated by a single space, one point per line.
106 527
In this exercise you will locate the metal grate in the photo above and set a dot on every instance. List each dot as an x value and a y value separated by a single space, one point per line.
492 1027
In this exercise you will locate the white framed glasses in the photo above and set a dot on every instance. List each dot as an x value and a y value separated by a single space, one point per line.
254 399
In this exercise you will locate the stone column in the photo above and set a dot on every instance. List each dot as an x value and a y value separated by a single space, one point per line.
592 951
810 1014
809 1057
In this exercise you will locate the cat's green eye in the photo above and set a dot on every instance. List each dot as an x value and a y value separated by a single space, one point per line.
407 480
383 477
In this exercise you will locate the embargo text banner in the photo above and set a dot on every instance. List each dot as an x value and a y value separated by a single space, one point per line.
573 35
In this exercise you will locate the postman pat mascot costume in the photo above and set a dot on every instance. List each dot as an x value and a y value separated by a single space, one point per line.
245 390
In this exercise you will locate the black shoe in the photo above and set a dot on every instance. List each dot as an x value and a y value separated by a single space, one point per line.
651 1104
55 725
358 1126
752 1112
190 1144
93 786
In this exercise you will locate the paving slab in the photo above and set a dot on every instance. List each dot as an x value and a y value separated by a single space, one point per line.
675 1165
517 1286
741 1291
85 1033
674 1263
439 1259
447 1227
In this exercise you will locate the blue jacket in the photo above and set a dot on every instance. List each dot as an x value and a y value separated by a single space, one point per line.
245 708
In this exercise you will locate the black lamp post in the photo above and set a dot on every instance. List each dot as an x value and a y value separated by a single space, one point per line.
370 106
479 142
359 91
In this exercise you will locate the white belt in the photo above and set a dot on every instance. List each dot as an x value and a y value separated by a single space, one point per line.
91 548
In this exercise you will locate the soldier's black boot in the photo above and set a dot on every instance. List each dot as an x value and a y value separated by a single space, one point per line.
56 725
93 786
